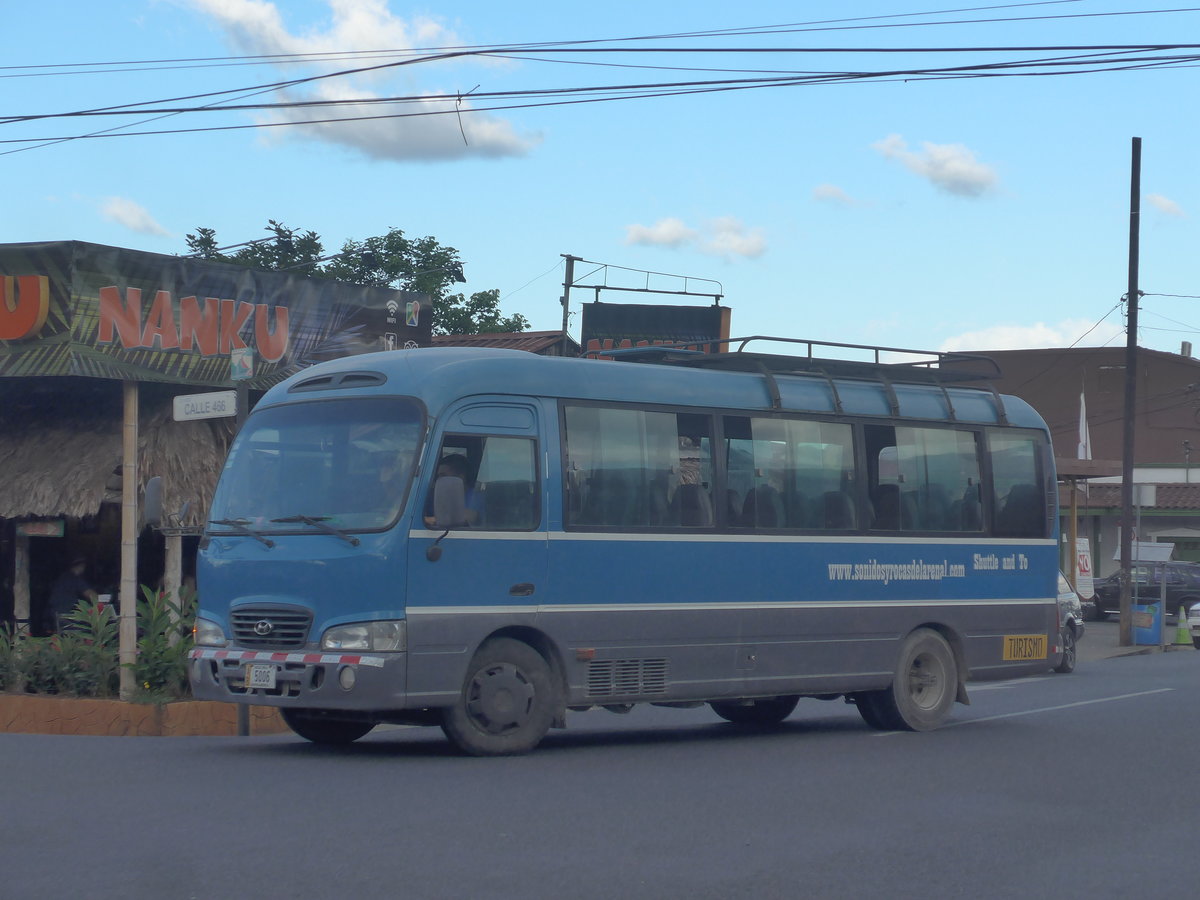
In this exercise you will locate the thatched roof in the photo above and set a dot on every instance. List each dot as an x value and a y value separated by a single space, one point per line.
60 448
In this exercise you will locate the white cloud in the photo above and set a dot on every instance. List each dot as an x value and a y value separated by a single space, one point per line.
729 237
1037 336
949 167
132 215
724 236
1165 205
831 193
453 131
668 232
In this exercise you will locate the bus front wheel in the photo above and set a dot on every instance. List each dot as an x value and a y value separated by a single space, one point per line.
764 711
507 703
313 726
922 690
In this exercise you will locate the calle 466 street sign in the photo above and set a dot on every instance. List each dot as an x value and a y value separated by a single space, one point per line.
205 406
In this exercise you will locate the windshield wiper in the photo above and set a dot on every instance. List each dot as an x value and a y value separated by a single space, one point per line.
239 525
319 522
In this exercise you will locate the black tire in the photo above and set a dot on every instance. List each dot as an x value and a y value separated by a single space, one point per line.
923 688
1067 663
762 711
869 708
507 703
1196 642
322 728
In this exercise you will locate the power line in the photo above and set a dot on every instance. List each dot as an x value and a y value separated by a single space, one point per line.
745 31
580 95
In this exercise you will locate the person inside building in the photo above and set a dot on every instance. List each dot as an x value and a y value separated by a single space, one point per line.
68 589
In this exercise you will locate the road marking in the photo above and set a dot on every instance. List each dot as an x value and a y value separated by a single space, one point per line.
1043 709
1030 712
1004 685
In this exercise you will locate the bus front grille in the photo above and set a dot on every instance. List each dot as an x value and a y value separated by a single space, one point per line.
270 626
626 677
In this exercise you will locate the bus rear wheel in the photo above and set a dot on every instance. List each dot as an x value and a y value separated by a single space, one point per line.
507 702
314 726
923 688
763 711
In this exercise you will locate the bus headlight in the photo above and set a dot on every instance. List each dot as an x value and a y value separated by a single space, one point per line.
207 633
374 636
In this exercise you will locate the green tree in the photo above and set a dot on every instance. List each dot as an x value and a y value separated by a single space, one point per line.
389 261
477 314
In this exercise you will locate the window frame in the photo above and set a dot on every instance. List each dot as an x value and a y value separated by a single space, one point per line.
980 432
425 489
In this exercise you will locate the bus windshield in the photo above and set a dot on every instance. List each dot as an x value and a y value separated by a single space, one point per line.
345 465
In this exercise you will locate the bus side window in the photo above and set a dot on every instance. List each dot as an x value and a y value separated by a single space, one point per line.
923 479
1018 501
507 482
789 473
633 468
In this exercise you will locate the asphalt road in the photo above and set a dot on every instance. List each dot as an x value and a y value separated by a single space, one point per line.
1057 786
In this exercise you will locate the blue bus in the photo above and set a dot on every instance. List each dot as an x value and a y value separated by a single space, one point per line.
487 539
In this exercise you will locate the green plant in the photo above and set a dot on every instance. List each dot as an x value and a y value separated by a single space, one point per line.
8 659
40 664
89 651
82 661
164 641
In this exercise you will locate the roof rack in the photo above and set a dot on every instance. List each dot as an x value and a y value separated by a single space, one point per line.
926 366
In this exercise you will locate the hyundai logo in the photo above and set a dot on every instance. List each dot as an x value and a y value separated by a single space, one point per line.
262 627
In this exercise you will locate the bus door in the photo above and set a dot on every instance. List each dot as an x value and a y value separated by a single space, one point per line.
490 570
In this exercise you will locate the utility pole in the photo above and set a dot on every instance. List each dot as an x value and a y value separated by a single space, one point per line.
1132 298
568 280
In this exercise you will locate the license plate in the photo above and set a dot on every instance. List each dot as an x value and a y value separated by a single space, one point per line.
1024 646
260 675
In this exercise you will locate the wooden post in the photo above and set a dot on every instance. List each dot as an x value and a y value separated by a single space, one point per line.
21 582
1073 536
173 574
129 534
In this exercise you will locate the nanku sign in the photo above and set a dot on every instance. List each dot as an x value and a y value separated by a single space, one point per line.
24 304
71 308
212 326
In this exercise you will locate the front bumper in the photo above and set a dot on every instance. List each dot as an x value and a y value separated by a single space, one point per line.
303 679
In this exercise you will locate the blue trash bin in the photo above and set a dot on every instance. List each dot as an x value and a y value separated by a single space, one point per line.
1147 623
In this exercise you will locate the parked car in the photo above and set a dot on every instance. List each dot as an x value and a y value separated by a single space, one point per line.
1193 621
1070 626
1183 588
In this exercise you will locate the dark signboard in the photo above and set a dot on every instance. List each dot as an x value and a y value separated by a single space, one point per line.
72 308
612 326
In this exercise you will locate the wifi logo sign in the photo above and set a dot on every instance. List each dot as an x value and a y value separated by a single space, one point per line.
392 309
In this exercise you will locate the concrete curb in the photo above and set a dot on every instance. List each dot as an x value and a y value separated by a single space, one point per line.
50 714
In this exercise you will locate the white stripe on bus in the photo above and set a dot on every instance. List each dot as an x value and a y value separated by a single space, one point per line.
717 605
726 537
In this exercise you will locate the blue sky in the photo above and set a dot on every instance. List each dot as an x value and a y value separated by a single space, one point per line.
973 213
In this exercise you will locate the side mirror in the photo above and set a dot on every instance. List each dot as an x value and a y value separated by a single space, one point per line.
153 504
449 502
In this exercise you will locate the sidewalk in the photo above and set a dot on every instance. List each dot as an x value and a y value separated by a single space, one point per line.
1101 640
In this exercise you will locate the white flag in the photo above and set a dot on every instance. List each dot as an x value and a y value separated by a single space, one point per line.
1085 436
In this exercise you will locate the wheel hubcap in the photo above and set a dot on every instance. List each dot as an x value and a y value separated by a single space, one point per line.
500 698
926 681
